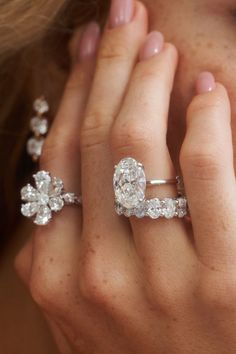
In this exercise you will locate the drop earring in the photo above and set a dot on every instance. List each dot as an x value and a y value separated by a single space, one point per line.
39 127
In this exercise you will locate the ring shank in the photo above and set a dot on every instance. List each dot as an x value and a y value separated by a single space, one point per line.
160 182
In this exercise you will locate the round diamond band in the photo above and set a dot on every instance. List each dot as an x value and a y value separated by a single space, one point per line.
130 183
46 197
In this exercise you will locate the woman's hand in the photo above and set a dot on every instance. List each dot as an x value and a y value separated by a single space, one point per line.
112 285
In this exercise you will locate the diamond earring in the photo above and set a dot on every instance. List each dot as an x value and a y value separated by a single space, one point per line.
39 127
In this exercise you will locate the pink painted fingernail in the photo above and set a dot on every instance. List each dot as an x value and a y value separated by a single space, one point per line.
205 82
152 46
89 41
121 12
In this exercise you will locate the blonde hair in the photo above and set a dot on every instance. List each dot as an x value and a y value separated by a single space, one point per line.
33 60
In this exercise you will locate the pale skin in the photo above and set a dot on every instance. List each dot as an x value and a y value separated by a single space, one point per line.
109 285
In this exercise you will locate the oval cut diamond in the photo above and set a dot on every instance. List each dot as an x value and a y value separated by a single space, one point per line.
154 208
169 208
129 183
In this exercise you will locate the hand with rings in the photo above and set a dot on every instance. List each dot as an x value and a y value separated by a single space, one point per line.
126 272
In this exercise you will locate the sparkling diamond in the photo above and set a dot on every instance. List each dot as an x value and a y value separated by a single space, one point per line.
56 203
69 198
29 209
169 208
43 216
43 199
182 207
39 125
119 209
56 187
41 106
129 183
140 211
128 212
47 198
29 193
154 208
35 146
43 181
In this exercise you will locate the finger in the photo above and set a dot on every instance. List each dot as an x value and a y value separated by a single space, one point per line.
117 56
23 261
62 144
106 242
140 132
22 264
55 246
207 164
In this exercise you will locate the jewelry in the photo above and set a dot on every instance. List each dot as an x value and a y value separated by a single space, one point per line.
129 182
48 196
156 208
39 127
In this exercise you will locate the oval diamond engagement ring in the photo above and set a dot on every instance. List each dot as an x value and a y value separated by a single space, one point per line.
130 183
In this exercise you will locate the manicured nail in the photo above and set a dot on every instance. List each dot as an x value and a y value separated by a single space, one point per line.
205 82
152 46
89 41
121 12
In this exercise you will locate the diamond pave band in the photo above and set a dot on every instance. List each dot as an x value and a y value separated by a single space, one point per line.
130 184
48 196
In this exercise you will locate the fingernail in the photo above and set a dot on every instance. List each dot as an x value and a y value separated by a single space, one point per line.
205 82
89 41
152 46
121 12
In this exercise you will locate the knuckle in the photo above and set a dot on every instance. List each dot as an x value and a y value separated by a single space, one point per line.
94 131
94 288
202 162
111 51
162 68
145 73
47 290
129 138
201 105
96 285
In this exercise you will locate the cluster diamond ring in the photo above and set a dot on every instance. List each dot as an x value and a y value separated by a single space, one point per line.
46 197
130 183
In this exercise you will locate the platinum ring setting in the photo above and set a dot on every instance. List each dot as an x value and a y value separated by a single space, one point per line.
130 183
46 197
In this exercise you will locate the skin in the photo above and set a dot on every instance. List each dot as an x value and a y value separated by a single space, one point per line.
181 298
